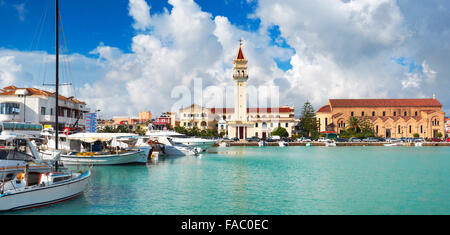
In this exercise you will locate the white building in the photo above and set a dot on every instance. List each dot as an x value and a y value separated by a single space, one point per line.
38 106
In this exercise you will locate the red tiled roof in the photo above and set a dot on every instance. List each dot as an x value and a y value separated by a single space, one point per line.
11 90
324 109
328 132
385 103
254 110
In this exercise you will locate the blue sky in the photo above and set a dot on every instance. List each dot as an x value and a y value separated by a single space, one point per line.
87 23
124 50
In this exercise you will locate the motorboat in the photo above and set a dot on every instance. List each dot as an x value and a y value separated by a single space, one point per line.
418 144
224 144
330 143
28 183
182 139
166 147
35 189
96 149
16 153
283 144
262 143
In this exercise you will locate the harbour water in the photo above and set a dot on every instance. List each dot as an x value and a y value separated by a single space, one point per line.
272 180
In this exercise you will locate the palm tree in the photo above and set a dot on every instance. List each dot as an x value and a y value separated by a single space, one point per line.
353 122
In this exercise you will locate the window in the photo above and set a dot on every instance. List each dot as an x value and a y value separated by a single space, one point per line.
415 113
373 114
384 113
256 124
51 111
405 114
410 129
271 124
421 129
362 114
376 129
279 124
42 110
399 129
287 125
10 108
326 121
395 113
351 114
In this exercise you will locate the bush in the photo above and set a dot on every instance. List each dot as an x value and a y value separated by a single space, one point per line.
416 135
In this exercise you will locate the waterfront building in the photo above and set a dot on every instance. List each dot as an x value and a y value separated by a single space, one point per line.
241 121
395 118
165 121
133 123
38 106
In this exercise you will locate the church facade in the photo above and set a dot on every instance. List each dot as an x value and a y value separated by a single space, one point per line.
241 121
391 118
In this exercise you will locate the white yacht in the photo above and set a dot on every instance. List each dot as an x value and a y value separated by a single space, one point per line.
166 147
24 186
330 143
181 139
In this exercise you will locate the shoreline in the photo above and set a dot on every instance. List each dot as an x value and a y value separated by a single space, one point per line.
338 144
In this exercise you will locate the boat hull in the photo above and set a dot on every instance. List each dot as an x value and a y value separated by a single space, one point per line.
44 196
138 157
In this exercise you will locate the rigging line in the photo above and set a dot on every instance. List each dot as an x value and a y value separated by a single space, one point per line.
38 29
67 56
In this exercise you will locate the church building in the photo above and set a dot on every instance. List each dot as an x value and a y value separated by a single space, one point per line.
241 121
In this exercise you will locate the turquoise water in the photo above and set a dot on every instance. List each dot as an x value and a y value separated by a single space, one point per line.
272 180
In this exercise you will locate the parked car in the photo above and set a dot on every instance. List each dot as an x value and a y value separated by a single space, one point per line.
322 139
435 140
253 139
287 139
418 140
235 139
370 139
354 139
226 139
275 137
341 140
392 140
380 139
447 140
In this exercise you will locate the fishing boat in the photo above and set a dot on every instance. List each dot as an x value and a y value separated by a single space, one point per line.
26 182
98 149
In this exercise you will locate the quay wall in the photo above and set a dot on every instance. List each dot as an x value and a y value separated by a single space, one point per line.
245 143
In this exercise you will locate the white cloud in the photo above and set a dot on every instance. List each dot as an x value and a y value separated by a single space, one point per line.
20 8
140 11
8 70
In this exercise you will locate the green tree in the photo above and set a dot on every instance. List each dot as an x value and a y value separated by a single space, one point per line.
439 135
308 126
416 135
280 131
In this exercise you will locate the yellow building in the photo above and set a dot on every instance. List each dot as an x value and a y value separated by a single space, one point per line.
391 118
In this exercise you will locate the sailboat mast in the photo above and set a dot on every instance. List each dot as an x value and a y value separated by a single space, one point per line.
57 73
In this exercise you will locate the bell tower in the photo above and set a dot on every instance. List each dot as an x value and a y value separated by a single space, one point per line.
240 78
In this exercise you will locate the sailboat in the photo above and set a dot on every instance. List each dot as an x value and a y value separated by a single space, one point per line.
29 189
